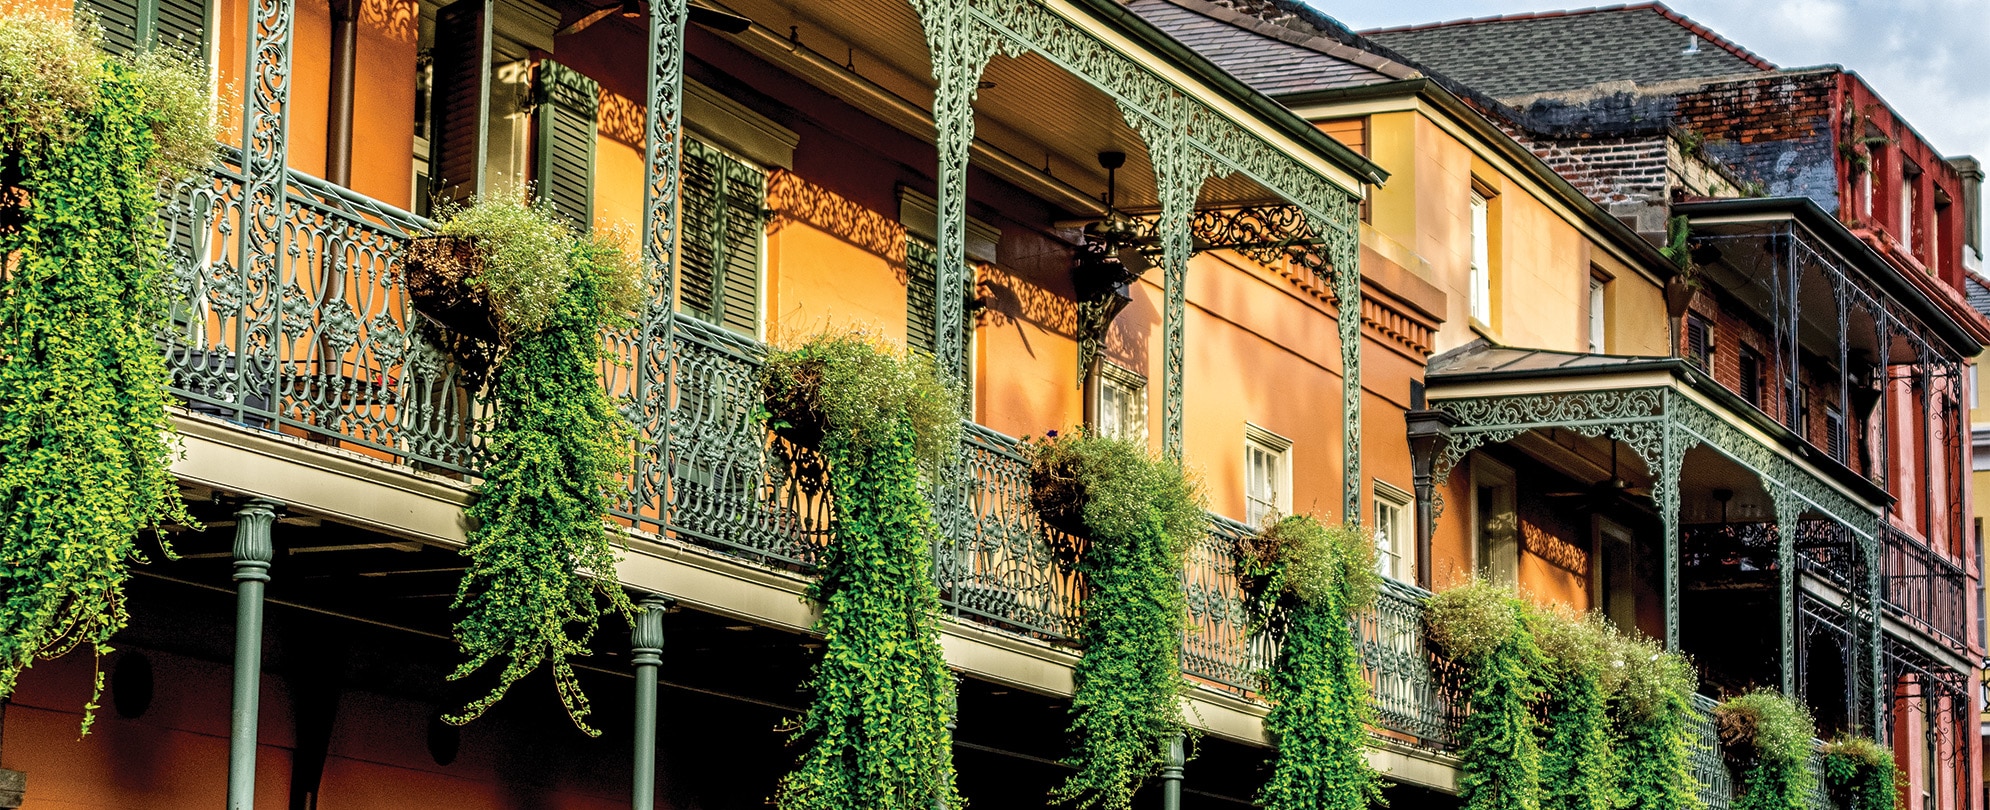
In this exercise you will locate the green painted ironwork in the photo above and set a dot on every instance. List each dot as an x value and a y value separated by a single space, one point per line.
1709 766
253 552
646 654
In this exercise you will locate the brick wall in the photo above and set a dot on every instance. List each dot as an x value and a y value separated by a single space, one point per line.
1774 130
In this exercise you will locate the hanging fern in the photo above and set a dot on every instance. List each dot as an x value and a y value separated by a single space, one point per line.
85 142
1303 584
1577 763
1655 742
1140 514
1480 626
541 553
876 727
1771 736
1860 773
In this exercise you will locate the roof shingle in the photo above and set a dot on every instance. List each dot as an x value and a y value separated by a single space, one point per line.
1276 60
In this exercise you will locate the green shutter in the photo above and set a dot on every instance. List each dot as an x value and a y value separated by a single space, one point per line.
723 221
564 172
127 23
460 104
921 305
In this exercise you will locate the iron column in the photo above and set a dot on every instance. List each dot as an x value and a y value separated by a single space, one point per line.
1171 775
646 642
253 552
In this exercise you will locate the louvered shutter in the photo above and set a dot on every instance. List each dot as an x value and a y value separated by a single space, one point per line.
457 135
130 24
567 105
1699 342
921 305
723 222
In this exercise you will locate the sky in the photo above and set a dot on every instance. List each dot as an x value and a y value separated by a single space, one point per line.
1930 59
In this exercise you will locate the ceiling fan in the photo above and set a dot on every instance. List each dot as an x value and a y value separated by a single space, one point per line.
1607 491
1114 240
637 9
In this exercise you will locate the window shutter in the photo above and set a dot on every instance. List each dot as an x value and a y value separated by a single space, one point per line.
1699 342
461 106
567 105
129 25
921 305
718 276
1834 434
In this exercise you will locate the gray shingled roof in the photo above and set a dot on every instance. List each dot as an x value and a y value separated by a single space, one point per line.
1979 293
1272 63
1532 53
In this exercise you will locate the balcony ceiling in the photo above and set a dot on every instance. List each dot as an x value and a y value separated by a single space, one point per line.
1034 111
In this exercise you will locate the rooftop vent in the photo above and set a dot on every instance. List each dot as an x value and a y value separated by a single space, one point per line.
1692 45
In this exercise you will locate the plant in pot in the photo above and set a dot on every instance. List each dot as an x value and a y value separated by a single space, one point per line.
1860 773
1650 712
1303 584
541 556
86 142
875 732
1138 515
1577 761
1768 741
1482 627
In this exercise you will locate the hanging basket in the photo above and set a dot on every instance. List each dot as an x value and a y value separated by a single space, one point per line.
440 270
1058 493
794 411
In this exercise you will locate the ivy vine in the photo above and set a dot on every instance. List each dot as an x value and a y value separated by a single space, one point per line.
1655 743
875 731
1860 773
85 142
541 552
1140 515
1577 761
1304 583
1482 627
1770 737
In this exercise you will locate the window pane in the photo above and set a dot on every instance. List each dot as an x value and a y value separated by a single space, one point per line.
1481 260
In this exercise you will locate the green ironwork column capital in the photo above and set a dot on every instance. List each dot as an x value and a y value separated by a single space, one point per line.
646 637
254 550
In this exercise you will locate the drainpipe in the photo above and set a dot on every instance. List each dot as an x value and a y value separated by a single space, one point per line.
1429 433
646 643
1171 775
253 552
338 119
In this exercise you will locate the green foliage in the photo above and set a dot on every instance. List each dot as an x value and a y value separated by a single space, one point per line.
83 423
876 729
528 268
1771 735
1677 247
1577 761
540 551
854 384
53 79
1304 583
1141 515
1480 626
1861 771
1655 742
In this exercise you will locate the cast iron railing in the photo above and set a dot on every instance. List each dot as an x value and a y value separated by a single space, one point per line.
325 348
1924 586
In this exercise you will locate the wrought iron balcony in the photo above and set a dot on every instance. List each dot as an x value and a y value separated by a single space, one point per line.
1924 586
321 345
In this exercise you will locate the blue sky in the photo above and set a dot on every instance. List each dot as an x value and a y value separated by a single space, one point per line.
1930 59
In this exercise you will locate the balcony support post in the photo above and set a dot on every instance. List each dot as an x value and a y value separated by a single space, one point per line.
646 653
1171 774
253 552
961 46
1343 237
1430 435
1665 493
662 134
1787 506
265 120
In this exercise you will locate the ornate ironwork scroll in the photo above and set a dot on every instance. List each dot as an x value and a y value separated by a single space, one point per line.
651 405
1343 238
265 121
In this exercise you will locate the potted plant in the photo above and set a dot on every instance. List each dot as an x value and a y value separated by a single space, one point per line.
86 142
1766 739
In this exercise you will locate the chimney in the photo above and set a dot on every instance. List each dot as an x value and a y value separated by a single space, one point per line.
1972 209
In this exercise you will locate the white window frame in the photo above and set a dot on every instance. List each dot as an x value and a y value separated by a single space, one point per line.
1393 511
1907 182
1481 267
1131 426
1597 326
1267 455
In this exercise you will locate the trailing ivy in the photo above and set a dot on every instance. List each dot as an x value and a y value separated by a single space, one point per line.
1770 735
1655 742
85 142
1860 773
1303 585
1481 627
876 727
541 552
1140 516
1577 763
